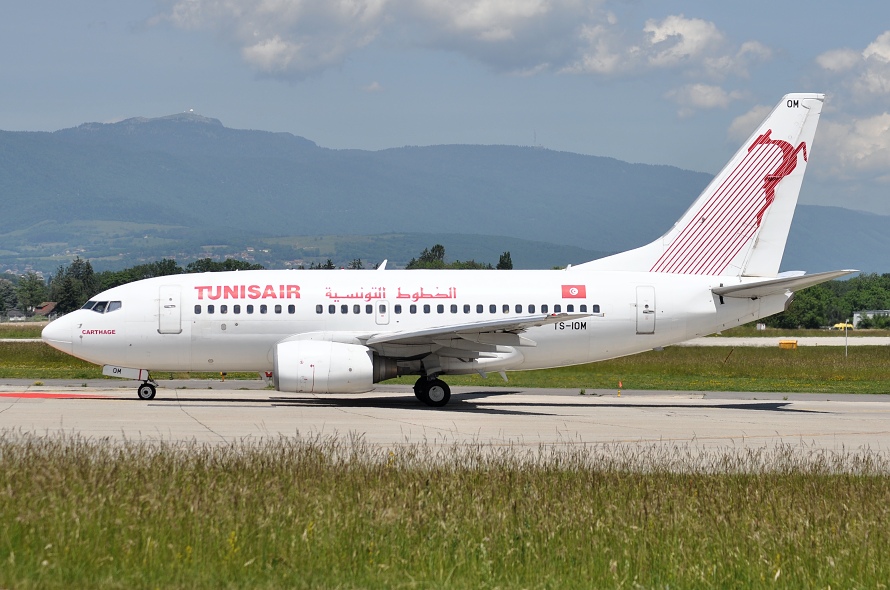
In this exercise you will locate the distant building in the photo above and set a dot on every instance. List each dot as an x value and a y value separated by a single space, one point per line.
46 309
871 314
15 315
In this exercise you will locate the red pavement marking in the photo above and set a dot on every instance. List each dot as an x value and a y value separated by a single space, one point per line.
48 395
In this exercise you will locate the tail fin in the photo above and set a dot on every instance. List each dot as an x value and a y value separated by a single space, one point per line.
739 225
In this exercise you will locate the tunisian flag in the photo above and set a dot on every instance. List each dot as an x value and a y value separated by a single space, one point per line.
574 291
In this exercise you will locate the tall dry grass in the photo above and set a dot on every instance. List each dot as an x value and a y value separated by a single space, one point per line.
338 512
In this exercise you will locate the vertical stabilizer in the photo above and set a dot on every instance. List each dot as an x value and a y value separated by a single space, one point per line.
739 225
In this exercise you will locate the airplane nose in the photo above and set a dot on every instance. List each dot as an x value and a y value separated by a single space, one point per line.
58 334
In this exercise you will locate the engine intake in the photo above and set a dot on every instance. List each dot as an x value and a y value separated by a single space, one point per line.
314 366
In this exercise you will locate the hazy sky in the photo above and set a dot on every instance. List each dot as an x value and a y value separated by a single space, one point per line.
680 83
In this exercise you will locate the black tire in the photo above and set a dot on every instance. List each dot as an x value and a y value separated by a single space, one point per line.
436 393
419 386
146 391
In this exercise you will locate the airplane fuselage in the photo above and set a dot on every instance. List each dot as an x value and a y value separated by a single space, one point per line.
232 321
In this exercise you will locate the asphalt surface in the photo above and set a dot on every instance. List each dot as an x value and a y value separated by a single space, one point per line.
216 412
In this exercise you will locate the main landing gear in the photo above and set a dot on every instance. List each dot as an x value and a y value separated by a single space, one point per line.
432 392
147 390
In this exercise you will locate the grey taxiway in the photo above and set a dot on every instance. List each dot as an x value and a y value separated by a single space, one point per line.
216 412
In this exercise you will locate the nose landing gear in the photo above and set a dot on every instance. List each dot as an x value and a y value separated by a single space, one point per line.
147 390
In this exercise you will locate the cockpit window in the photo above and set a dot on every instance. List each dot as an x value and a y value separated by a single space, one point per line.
102 306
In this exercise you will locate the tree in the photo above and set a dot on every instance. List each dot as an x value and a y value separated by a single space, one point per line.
505 262
73 285
356 264
31 292
8 297
210 265
430 258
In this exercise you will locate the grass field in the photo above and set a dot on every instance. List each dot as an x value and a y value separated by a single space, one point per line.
22 330
336 513
807 369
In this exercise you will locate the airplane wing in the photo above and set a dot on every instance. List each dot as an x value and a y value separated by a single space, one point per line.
484 332
778 285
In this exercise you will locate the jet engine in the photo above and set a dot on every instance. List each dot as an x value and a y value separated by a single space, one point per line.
318 366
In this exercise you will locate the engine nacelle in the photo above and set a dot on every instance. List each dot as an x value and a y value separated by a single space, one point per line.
318 366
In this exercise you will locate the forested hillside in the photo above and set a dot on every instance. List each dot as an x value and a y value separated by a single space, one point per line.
144 189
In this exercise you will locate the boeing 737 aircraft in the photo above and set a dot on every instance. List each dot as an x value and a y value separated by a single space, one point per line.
344 331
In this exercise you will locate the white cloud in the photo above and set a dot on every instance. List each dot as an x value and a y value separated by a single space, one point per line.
839 60
741 126
296 38
677 40
695 97
373 87
857 147
864 74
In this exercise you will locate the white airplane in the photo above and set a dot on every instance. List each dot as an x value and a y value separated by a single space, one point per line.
344 331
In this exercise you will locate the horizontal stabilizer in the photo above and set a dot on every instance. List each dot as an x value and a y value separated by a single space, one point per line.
777 286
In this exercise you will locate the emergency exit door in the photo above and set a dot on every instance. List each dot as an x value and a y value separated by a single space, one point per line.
646 310
169 312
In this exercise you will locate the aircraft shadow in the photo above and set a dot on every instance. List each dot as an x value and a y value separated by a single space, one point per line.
471 402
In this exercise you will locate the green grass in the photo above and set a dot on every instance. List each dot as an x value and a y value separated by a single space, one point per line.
36 360
338 513
807 369
23 330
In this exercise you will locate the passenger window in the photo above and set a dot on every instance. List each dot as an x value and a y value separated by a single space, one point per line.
466 308
291 309
356 308
453 308
381 308
264 308
210 309
479 308
531 308
113 306
397 308
440 308
544 308
518 308
492 308
413 308
344 308
426 308
197 310
319 308
583 308
332 309
506 308
369 309
236 309
557 308
570 308
277 309
250 309
596 308
223 309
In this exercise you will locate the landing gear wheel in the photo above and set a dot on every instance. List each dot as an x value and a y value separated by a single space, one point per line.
435 393
146 391
418 388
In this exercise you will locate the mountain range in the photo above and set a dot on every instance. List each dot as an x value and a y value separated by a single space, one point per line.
186 185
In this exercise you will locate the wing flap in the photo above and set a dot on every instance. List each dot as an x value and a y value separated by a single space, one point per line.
476 331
